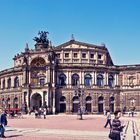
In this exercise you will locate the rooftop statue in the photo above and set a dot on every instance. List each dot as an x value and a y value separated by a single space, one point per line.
42 37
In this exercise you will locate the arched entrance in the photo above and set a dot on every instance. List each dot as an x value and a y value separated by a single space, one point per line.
100 104
111 104
75 104
36 101
88 104
15 102
62 104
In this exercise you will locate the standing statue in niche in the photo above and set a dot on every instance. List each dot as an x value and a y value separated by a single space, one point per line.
42 37
25 60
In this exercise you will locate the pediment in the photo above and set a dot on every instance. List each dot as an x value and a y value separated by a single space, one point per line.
76 46
72 44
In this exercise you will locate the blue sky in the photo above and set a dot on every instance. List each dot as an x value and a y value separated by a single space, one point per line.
113 22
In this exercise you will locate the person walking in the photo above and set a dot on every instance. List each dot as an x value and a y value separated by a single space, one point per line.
3 122
108 119
117 128
44 113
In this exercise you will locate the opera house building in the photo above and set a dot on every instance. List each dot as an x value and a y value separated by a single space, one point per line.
67 76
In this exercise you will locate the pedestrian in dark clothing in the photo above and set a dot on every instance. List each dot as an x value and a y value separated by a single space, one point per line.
116 126
3 122
108 121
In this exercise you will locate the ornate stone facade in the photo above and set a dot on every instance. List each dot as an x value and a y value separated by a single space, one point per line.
49 76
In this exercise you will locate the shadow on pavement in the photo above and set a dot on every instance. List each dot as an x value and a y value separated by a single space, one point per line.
11 130
13 136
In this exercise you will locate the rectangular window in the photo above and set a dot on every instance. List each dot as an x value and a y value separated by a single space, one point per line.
58 55
75 55
83 55
99 56
91 55
66 55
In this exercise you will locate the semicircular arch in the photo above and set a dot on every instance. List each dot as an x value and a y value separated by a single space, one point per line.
38 62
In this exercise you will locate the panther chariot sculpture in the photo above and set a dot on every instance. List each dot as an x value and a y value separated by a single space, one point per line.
42 37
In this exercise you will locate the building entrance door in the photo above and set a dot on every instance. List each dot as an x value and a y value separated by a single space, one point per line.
36 101
62 104
111 100
62 107
88 104
75 104
100 104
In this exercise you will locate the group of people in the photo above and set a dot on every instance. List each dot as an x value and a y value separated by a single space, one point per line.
115 126
41 111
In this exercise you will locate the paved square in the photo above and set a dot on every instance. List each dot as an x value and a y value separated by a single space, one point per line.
67 127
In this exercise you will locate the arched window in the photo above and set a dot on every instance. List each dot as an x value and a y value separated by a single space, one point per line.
75 79
110 81
87 80
9 83
62 79
3 84
99 80
16 82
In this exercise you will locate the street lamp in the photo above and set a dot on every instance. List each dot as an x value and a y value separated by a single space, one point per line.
79 93
51 59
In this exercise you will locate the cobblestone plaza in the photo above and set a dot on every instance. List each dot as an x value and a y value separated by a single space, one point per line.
68 127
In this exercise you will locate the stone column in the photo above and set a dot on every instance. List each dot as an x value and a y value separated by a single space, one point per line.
6 84
95 77
80 56
96 57
88 57
67 78
53 77
70 78
117 79
62 56
12 81
122 79
82 77
24 76
53 102
29 77
106 78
